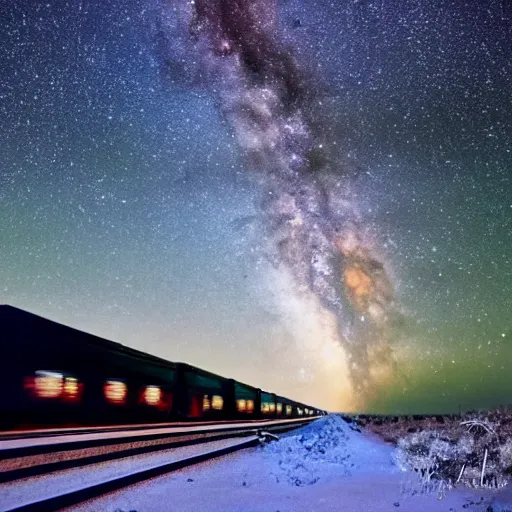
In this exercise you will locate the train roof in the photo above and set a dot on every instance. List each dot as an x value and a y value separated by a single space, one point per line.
27 322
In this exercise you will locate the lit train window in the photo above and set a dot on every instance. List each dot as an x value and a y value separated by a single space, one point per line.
306 411
206 403
48 384
152 395
265 407
250 406
71 388
279 408
241 405
272 407
53 385
300 412
288 410
115 391
217 402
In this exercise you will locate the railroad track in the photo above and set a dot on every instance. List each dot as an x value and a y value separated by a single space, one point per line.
10 435
82 474
54 441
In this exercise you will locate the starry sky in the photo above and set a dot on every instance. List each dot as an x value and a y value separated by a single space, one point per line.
132 206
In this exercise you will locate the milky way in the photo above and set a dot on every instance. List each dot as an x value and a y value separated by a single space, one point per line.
275 108
364 240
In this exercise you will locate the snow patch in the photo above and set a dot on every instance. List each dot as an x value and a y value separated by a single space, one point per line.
328 448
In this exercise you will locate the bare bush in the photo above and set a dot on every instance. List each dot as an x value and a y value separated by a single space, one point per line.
474 450
506 456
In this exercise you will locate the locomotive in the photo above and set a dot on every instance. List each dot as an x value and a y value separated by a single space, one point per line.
52 375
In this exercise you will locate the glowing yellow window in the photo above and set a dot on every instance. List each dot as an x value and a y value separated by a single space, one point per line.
241 405
288 410
250 406
300 412
71 388
48 384
265 407
272 407
206 403
152 395
217 402
115 391
279 407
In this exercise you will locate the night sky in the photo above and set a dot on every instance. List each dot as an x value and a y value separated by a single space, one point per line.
151 194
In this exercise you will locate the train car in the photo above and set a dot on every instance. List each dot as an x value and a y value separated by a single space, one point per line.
268 404
247 401
283 407
202 395
58 375
54 375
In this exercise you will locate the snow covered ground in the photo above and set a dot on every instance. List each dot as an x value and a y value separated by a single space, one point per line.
326 466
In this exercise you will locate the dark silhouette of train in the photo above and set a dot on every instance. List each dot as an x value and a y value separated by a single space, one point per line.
54 375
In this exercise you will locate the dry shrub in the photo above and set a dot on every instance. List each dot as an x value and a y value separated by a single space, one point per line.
456 454
506 456
450 448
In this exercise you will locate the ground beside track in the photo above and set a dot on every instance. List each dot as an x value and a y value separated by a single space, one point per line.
324 467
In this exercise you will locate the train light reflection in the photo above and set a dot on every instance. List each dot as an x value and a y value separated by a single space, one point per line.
206 403
115 391
217 402
48 384
71 388
241 405
250 406
152 395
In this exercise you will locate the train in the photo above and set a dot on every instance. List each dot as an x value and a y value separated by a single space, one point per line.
52 375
